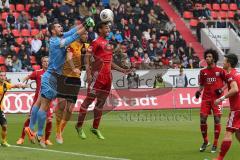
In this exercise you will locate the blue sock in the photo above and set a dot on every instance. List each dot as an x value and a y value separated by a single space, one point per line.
33 118
41 117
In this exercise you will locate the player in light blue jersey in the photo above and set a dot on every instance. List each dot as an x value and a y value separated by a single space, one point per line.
57 53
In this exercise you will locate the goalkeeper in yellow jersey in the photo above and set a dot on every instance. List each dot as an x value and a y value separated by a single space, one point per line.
69 83
4 87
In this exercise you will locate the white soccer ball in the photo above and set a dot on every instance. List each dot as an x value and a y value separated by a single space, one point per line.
106 15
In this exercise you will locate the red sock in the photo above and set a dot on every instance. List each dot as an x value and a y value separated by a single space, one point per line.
26 124
217 130
204 129
81 117
48 130
224 149
97 118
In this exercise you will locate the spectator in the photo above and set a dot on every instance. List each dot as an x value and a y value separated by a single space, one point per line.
151 52
136 60
206 13
158 82
12 52
26 43
175 33
26 65
171 40
22 52
34 10
16 64
9 63
152 17
189 51
10 21
200 25
42 21
43 7
180 42
4 5
181 80
36 44
10 39
170 51
146 62
170 25
83 10
133 79
135 42
4 49
127 33
23 22
118 37
65 8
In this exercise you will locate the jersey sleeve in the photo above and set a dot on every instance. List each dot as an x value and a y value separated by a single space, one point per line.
58 42
229 79
33 75
8 85
70 32
201 78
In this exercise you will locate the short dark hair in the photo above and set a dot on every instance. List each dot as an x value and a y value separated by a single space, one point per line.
232 59
213 52
51 27
100 25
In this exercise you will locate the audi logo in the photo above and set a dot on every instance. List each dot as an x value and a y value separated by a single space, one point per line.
18 102
210 80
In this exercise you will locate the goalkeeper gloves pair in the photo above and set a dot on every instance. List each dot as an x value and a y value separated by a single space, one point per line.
218 92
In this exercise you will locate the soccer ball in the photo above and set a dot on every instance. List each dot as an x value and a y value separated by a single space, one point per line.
106 15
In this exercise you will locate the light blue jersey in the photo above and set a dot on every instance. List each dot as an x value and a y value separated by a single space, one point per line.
57 50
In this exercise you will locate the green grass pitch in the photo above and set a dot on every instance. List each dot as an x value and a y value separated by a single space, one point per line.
136 135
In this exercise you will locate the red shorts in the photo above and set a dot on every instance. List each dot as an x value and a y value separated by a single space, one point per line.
101 83
208 106
233 123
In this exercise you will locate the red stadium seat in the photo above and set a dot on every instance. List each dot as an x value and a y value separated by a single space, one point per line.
15 32
12 7
2 60
193 22
33 60
20 7
17 49
3 68
44 31
19 40
233 7
3 24
223 14
224 7
231 14
187 15
16 14
25 33
27 7
209 6
28 15
34 32
32 24
214 15
4 15
216 7
36 67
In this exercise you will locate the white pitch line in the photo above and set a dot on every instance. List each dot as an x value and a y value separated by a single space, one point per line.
69 153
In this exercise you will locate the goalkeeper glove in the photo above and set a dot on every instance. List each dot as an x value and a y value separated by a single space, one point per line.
197 94
218 92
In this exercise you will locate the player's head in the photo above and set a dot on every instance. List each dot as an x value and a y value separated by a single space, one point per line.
55 29
230 61
211 56
3 76
103 29
84 37
44 62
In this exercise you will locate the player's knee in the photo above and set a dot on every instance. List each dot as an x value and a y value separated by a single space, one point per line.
228 136
217 119
203 120
4 128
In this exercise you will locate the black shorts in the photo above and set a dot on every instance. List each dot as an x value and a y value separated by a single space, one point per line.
3 120
68 88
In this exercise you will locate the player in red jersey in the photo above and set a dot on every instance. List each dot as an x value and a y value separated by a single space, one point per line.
211 80
36 75
99 78
233 124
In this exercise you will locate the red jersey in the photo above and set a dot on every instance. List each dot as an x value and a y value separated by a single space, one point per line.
102 54
235 99
211 79
37 76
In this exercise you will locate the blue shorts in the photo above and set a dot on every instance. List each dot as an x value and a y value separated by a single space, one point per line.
49 86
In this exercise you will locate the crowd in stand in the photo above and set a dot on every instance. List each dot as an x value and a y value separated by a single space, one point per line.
143 35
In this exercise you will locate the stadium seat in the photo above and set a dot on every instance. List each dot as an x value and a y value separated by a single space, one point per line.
231 14
32 24
36 67
28 15
193 22
19 40
209 6
224 7
2 60
34 32
15 32
33 60
12 7
16 14
233 7
214 15
223 14
27 7
44 31
216 7
29 40
20 7
3 24
187 15
25 33
4 15
17 49
3 68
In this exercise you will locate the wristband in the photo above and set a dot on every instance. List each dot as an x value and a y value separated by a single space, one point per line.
222 98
